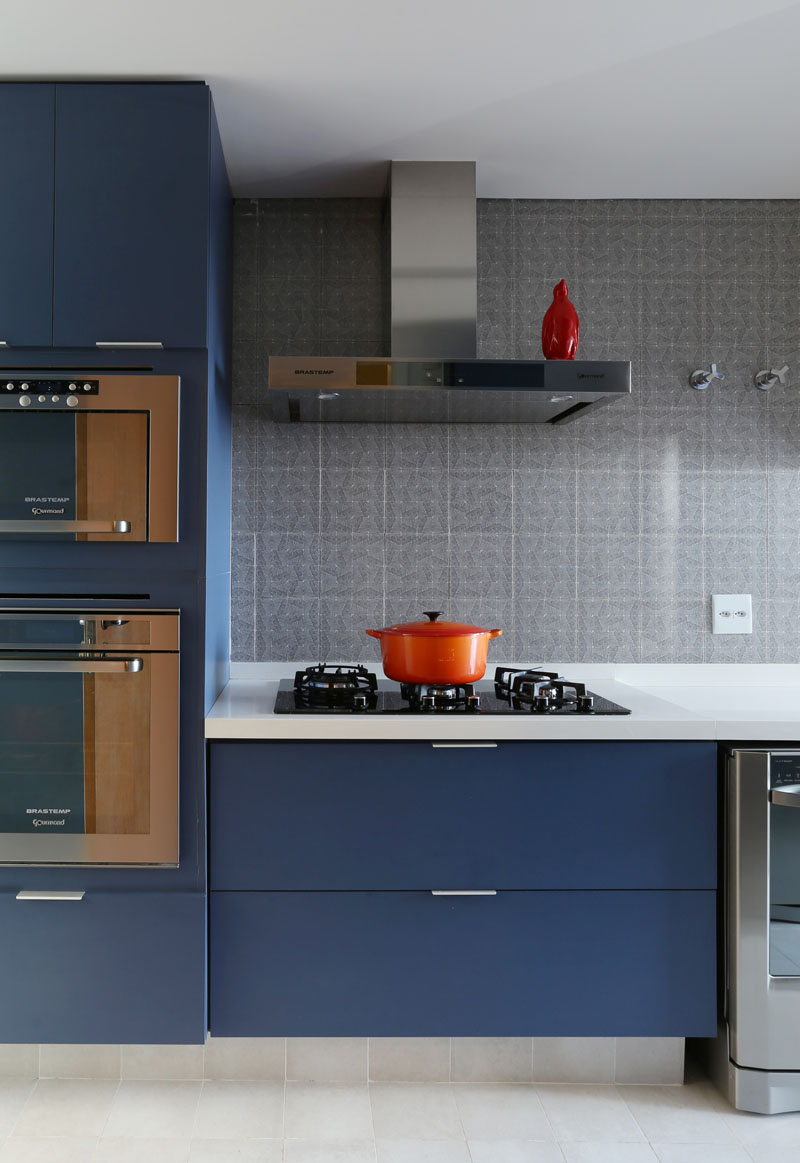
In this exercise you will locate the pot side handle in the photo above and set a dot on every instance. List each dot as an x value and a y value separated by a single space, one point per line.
492 633
373 633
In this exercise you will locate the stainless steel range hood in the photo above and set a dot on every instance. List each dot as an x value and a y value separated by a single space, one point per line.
433 375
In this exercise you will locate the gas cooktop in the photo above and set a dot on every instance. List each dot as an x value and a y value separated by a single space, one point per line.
337 690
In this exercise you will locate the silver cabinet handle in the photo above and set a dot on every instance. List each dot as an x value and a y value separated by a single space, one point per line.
463 744
36 894
65 526
463 892
787 796
3 343
129 343
69 665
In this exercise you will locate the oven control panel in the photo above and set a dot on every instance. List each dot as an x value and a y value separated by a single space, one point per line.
784 768
47 393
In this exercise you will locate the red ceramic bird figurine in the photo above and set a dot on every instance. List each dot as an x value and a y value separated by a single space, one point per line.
560 326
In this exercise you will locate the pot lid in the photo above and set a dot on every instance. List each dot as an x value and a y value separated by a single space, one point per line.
433 628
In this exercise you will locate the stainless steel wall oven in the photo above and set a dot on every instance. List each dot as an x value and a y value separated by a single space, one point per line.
89 731
88 458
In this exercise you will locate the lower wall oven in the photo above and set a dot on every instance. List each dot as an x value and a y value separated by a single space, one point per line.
89 718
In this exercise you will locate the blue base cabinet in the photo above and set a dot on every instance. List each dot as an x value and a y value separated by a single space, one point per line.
597 862
113 967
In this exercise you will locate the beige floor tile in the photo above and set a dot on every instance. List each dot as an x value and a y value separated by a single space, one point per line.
773 1154
66 1108
409 1059
589 1114
246 1059
701 1153
326 1059
240 1110
418 1151
502 1112
142 1151
72 1061
154 1110
13 1096
327 1112
402 1110
608 1153
514 1151
19 1060
676 1114
490 1060
765 1130
236 1151
312 1151
175 1063
48 1151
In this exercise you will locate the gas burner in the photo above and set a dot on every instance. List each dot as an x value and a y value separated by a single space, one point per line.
351 687
440 697
541 692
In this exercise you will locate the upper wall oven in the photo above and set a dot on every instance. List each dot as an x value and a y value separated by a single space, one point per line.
89 458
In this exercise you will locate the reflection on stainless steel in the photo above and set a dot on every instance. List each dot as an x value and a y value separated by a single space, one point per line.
105 790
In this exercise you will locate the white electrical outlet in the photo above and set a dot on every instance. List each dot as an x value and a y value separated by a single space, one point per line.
732 613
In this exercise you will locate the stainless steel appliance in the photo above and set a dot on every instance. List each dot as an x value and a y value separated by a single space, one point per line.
327 689
89 458
89 736
433 375
757 1054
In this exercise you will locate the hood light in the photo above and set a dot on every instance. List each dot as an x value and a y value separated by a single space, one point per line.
328 396
560 399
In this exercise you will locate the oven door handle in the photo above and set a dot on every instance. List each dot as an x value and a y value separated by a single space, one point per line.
70 666
787 796
65 526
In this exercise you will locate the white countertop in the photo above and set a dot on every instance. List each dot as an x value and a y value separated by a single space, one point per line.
740 703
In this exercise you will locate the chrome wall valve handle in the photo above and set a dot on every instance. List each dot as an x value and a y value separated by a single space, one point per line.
767 379
701 379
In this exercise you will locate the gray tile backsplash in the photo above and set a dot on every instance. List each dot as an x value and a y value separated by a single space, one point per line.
599 541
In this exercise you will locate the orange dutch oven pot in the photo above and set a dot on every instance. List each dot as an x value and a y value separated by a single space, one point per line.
434 652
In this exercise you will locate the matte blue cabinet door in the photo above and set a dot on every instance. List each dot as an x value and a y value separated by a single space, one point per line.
404 964
113 967
131 218
408 815
26 214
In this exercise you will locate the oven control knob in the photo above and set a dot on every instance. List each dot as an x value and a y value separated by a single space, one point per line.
24 387
72 401
24 401
9 387
87 387
43 399
55 399
73 387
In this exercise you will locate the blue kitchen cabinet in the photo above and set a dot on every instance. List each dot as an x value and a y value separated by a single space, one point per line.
110 968
27 127
131 214
326 858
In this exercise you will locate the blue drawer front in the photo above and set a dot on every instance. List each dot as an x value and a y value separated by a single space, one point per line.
405 815
114 967
410 964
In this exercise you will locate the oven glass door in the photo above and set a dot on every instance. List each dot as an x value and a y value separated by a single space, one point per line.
88 756
74 476
784 866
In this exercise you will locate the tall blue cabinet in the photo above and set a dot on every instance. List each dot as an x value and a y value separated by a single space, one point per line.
116 229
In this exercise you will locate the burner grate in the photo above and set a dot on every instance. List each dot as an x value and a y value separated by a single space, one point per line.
438 697
353 687
541 691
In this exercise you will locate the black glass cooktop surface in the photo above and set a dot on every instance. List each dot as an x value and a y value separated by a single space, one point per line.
387 700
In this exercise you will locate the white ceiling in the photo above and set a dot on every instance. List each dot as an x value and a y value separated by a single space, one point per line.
552 98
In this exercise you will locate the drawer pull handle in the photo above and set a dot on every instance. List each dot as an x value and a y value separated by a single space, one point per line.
463 744
463 892
129 343
36 894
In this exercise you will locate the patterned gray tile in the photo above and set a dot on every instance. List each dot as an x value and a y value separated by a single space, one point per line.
290 239
672 501
624 245
290 308
495 318
352 501
352 446
351 242
352 309
287 629
783 631
243 597
477 447
608 567
416 501
608 502
608 631
783 504
671 564
244 372
540 447
671 439
480 501
343 623
546 502
737 435
417 446
672 629
292 447
288 502
287 565
416 564
736 565
244 509
351 565
545 631
609 438
783 566
481 565
545 567
735 501
490 613
495 239
672 310
545 250
244 421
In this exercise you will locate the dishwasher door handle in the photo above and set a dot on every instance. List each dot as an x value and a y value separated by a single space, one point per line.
65 526
787 796
463 892
38 894
463 744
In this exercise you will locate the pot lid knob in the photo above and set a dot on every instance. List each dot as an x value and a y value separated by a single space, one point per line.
432 614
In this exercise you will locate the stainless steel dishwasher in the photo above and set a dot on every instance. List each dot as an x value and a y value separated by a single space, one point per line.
757 1053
